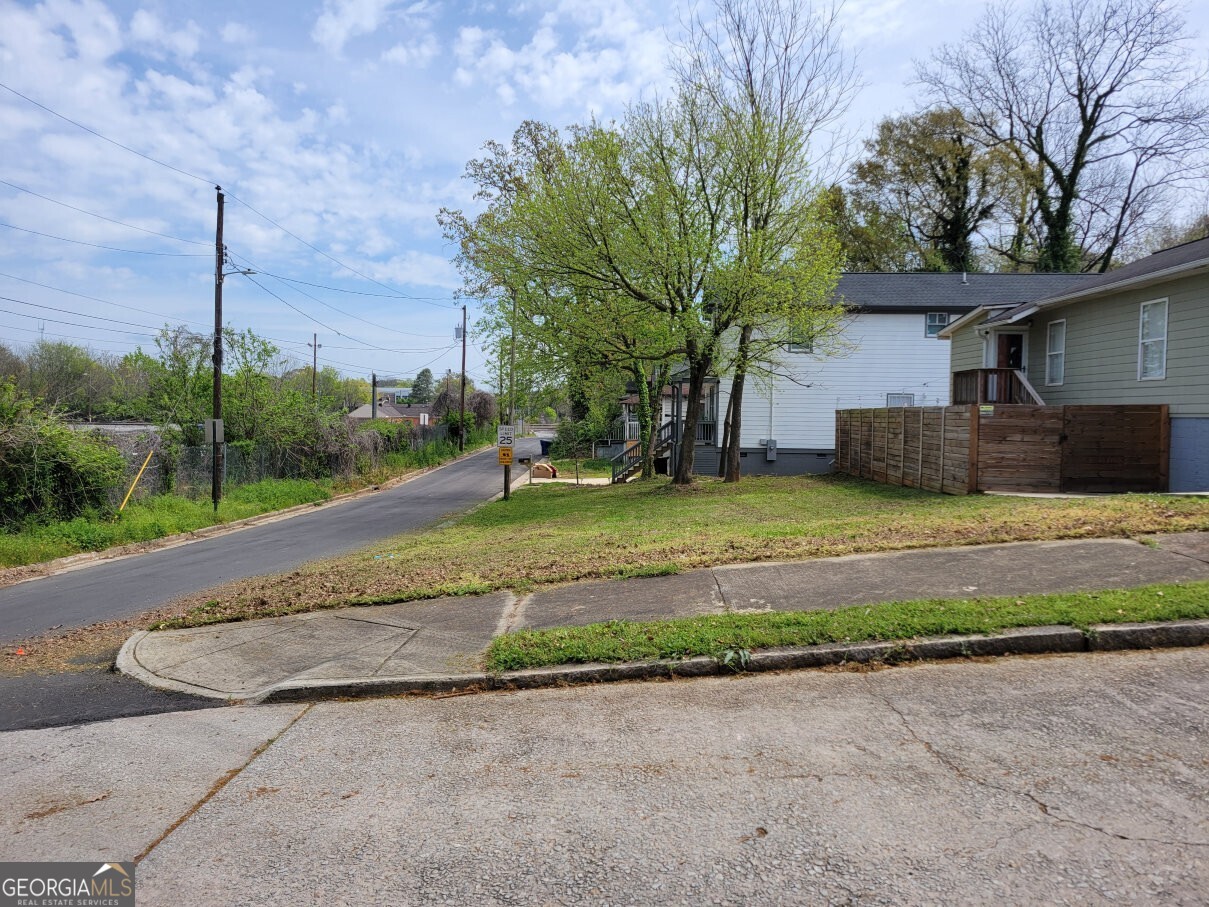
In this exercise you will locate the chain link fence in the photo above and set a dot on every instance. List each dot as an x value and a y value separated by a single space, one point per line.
188 471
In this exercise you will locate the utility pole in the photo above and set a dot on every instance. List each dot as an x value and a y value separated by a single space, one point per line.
315 346
511 395
462 424
373 395
216 458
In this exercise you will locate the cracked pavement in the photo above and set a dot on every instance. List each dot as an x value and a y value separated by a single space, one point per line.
1057 780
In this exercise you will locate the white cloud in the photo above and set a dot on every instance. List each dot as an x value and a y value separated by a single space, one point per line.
583 57
415 53
237 33
420 269
148 28
343 20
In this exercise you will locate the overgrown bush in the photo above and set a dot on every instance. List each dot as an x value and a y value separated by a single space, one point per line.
573 441
47 471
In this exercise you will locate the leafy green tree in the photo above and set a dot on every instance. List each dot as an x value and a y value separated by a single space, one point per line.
448 396
182 386
933 174
871 237
422 390
67 377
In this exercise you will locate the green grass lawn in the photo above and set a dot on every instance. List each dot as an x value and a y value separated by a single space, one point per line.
716 635
560 533
164 515
588 469
154 518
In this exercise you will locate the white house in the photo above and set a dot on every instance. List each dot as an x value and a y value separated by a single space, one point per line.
887 353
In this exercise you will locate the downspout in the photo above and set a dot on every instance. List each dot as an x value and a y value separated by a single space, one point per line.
771 395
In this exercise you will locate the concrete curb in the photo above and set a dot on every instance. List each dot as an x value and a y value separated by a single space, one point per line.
1026 641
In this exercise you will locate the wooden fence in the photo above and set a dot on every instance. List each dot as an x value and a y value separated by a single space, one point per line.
962 449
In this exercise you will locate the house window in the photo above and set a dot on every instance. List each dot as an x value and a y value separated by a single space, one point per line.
1152 341
1055 353
800 343
900 399
935 323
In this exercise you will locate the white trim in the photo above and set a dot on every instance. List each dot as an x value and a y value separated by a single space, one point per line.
990 346
928 323
1166 317
1049 382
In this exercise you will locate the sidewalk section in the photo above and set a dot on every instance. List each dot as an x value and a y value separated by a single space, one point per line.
437 645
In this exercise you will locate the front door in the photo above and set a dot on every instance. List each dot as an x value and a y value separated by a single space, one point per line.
1009 351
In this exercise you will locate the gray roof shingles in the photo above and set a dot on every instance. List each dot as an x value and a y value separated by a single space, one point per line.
933 292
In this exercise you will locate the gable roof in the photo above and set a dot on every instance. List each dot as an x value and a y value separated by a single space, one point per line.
935 292
1167 264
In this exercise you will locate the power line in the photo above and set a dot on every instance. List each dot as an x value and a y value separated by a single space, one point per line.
81 242
194 242
119 305
321 252
320 286
76 324
105 138
374 324
90 340
52 308
230 195
364 344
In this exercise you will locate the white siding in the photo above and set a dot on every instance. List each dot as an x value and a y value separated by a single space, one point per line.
877 354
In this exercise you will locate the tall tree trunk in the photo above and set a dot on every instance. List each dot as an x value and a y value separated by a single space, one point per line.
725 438
646 423
731 450
698 370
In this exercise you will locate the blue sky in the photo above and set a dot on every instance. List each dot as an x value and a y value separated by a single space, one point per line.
346 122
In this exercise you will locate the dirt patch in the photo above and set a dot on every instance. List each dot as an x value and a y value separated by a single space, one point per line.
74 649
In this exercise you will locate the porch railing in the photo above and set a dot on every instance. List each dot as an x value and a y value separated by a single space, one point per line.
993 385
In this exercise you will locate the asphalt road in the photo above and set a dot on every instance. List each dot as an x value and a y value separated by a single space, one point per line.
120 588
1059 780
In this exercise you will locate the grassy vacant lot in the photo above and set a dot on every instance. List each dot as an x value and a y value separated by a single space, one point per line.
169 514
559 533
154 518
722 634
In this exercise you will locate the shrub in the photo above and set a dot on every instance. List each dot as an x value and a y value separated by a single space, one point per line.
47 470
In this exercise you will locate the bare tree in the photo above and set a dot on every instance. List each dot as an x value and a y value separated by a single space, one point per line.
775 78
1099 102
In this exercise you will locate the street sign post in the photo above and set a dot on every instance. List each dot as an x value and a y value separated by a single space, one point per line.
505 436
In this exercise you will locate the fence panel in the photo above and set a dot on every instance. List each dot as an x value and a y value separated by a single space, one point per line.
919 447
1020 448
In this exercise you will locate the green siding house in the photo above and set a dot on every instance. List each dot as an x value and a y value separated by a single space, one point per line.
1139 334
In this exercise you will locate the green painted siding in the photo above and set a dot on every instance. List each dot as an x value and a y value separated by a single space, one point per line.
966 352
1102 349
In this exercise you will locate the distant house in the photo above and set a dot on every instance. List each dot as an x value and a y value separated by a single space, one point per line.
1139 334
418 414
